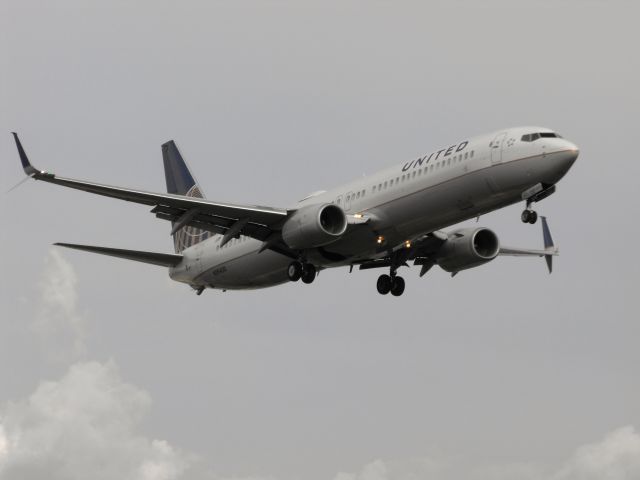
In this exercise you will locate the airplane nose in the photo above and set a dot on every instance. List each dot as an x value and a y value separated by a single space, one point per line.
573 152
565 157
573 148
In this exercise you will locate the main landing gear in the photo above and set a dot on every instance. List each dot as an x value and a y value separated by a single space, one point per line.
299 270
390 283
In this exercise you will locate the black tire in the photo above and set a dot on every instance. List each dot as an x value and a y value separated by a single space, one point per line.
384 284
294 271
533 217
308 273
526 214
397 288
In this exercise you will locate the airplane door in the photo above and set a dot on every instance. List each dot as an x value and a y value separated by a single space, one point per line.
347 201
496 148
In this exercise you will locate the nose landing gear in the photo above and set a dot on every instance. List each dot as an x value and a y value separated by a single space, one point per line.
535 194
529 215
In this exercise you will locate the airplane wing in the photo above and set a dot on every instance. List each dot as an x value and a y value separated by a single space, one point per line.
255 221
550 250
422 250
425 246
522 252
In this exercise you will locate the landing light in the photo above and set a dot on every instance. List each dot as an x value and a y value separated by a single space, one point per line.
357 215
380 239
407 244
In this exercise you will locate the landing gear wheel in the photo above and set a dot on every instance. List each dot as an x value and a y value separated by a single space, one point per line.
397 287
384 284
294 271
529 216
308 273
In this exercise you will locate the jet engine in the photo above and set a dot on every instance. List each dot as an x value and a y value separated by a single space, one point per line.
467 248
314 226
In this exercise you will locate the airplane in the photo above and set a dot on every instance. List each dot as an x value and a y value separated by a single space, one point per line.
384 220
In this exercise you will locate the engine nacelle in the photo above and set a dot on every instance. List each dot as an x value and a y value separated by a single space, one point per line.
468 248
314 226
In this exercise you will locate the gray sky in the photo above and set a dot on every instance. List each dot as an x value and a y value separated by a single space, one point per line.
501 372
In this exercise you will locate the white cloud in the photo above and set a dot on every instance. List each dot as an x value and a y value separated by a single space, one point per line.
58 320
616 457
407 469
376 470
84 426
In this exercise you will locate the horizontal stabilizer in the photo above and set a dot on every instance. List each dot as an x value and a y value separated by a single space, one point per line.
160 259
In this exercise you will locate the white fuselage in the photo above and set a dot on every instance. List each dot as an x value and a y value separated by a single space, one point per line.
446 186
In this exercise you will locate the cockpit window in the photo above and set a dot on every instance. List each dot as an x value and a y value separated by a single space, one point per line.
531 137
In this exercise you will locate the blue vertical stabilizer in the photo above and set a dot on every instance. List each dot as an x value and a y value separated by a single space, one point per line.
180 181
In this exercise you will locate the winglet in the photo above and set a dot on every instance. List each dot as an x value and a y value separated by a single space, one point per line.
548 244
26 165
